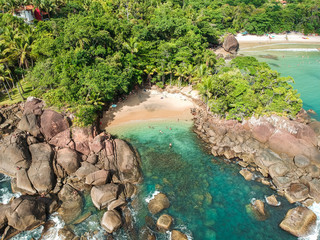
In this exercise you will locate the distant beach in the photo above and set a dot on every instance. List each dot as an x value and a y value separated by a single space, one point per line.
247 41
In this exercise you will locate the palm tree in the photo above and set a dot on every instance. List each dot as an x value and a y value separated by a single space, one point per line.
170 70
180 73
149 70
4 77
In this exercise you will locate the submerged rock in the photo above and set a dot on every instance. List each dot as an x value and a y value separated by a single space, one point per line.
299 221
164 222
272 200
158 203
177 235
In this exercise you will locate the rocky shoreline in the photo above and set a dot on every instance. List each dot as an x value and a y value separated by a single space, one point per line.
53 164
275 151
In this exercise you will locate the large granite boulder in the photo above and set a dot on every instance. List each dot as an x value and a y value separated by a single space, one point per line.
68 159
158 203
127 163
111 221
30 123
97 178
177 235
164 222
40 173
72 204
26 213
314 186
230 44
299 221
14 154
52 123
103 195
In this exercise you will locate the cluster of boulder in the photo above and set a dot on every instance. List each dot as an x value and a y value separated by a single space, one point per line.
52 164
274 150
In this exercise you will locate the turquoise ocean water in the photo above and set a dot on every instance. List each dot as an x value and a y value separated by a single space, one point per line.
209 198
300 61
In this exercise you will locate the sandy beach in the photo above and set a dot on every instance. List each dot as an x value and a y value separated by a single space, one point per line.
148 105
247 41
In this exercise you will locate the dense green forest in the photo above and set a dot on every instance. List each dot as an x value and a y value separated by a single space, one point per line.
92 51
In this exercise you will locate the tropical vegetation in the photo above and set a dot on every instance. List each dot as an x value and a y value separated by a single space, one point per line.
92 52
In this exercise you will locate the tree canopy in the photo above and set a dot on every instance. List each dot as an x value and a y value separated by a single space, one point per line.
91 52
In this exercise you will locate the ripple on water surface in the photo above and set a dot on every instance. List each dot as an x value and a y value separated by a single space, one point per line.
208 197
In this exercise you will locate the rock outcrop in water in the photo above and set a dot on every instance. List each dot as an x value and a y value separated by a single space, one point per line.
53 164
279 152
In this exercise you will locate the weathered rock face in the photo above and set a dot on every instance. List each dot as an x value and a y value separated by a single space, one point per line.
97 178
231 44
158 203
104 195
23 182
81 138
55 174
127 163
63 139
30 123
298 221
3 217
176 235
26 214
68 159
72 203
40 172
164 222
246 174
279 148
85 170
52 123
111 221
14 154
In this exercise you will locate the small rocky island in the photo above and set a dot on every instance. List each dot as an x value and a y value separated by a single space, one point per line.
53 164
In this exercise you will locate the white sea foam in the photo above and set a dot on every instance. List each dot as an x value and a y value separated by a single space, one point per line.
52 233
151 196
315 233
294 50
5 178
6 195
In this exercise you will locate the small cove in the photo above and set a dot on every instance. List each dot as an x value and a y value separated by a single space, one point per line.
208 197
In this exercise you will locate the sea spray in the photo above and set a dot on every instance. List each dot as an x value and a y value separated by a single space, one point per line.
151 196
52 233
315 233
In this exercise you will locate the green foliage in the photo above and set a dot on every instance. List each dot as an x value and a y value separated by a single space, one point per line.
245 87
91 52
